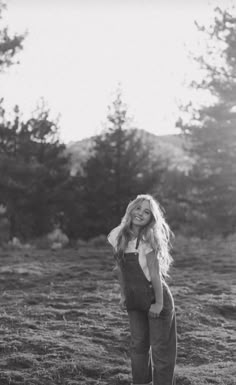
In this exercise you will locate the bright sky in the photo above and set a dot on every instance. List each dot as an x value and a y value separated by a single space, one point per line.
78 51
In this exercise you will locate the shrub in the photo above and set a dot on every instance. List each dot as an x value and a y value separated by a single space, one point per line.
81 242
100 240
58 237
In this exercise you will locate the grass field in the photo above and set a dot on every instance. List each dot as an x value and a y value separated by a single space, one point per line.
60 322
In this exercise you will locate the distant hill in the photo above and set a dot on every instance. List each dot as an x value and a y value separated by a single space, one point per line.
168 147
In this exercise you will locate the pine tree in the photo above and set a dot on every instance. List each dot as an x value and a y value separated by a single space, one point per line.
120 168
34 173
212 130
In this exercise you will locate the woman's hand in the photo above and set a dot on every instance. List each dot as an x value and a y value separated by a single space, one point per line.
122 303
155 310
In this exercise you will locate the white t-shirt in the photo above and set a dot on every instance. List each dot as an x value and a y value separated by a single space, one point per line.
143 249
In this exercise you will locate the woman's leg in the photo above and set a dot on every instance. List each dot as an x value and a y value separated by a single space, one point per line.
163 342
140 347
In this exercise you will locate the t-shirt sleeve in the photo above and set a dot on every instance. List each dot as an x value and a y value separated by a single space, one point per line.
147 248
112 236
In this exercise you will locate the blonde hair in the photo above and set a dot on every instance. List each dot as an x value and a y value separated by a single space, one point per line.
156 233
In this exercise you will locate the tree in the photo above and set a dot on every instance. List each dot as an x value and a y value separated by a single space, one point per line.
9 45
34 173
212 129
34 169
120 168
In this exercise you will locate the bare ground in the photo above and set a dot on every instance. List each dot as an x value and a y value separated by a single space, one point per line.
60 322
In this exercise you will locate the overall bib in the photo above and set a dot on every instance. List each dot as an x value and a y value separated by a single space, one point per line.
153 340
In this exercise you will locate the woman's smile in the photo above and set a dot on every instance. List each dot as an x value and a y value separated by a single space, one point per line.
140 219
141 214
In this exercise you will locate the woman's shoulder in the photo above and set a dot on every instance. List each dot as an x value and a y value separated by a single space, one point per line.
112 236
146 246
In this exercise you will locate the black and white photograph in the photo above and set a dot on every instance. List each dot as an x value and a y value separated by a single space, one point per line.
117 192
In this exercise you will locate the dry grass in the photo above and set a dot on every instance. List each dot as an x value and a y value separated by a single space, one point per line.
60 322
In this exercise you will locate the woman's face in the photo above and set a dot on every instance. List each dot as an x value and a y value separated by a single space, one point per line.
141 214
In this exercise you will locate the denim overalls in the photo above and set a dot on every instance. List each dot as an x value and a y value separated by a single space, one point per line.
155 365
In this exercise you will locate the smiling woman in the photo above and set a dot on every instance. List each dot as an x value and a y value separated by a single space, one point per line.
76 61
141 249
140 216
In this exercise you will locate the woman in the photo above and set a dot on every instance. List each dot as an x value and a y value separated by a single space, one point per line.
141 248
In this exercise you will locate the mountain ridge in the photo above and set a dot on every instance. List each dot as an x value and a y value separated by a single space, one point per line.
172 148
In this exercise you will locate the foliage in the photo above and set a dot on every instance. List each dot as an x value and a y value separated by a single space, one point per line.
120 167
212 129
98 241
9 45
34 173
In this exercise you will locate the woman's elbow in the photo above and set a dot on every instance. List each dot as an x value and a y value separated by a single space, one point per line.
155 276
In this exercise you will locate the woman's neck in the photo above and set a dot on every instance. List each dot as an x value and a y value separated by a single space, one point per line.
135 230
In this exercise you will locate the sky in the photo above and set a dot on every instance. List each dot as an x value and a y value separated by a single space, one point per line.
78 52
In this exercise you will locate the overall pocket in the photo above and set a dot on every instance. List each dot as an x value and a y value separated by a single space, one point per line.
139 297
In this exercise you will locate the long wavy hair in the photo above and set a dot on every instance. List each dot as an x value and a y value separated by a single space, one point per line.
156 233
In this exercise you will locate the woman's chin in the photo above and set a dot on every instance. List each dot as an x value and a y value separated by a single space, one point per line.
137 223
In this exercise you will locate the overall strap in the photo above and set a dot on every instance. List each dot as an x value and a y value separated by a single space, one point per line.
137 242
